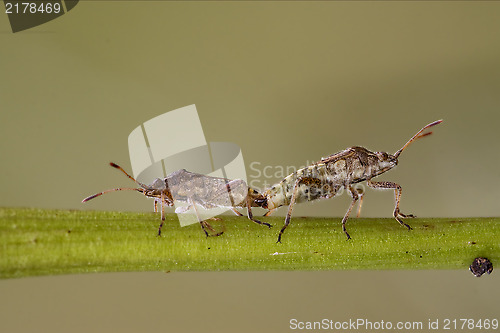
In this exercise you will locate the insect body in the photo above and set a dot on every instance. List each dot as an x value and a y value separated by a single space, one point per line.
326 177
195 190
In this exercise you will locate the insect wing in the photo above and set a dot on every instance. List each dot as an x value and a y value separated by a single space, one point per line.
229 194
205 191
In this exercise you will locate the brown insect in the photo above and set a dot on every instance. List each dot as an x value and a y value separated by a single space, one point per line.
326 177
196 190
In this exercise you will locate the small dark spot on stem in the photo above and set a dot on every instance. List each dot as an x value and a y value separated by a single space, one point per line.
480 266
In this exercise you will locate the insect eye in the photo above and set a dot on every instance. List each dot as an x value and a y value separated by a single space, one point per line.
382 156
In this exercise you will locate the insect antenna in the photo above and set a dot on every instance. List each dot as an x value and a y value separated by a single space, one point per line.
112 190
420 134
116 166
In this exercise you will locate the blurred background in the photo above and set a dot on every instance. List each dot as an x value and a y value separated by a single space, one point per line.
289 82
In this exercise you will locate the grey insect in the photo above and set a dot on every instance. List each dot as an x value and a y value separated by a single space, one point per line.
195 190
326 177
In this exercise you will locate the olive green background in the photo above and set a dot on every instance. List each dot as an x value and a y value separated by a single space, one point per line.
289 82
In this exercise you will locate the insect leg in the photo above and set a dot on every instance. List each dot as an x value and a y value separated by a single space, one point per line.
203 224
355 198
290 208
300 180
162 204
361 194
209 227
250 215
159 229
397 194
270 212
236 212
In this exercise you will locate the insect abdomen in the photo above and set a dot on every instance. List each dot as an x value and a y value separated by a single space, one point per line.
314 182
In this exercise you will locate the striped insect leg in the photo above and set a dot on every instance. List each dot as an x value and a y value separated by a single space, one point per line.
250 215
298 182
355 197
397 194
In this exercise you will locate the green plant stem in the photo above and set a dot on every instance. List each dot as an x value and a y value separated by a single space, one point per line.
47 242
